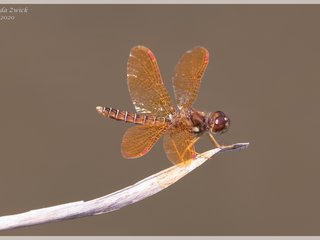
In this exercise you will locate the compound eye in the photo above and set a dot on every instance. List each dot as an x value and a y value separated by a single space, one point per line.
218 114
221 124
219 121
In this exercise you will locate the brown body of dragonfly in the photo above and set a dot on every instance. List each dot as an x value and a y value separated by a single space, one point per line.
156 115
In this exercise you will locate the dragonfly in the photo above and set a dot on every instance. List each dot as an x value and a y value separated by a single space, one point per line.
156 115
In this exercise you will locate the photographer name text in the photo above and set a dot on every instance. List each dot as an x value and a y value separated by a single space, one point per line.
9 13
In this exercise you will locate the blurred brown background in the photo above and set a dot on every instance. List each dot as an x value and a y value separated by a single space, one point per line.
58 62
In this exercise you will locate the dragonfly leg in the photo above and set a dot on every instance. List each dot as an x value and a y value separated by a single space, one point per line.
214 141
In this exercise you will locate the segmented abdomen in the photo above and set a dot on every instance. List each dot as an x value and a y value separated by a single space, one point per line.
132 117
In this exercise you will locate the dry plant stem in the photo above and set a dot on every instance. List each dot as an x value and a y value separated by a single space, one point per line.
114 201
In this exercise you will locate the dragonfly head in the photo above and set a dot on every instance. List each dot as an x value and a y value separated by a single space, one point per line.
220 123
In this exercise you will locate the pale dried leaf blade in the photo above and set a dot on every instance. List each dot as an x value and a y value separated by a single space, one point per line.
114 201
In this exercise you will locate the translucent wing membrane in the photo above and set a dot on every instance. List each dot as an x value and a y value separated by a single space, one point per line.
188 74
150 97
179 145
138 140
145 84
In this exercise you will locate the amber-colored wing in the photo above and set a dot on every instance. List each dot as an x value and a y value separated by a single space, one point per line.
138 140
188 74
145 84
179 145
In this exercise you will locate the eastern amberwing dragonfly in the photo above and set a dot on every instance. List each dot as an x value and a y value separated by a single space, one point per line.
156 116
